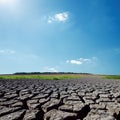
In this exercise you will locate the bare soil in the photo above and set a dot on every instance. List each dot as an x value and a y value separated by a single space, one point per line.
87 98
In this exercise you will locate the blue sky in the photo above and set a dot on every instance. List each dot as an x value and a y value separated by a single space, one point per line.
60 36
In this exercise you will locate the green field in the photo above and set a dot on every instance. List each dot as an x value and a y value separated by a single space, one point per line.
111 76
56 76
42 77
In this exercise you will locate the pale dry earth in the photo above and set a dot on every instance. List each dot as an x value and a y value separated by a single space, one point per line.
88 98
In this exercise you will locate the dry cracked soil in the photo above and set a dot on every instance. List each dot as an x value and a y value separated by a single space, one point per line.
77 99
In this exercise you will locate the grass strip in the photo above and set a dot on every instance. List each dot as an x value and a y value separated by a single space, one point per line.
112 76
42 77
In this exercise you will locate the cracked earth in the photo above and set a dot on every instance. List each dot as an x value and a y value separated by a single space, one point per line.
78 99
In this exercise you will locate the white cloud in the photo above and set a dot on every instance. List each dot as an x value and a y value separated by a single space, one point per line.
77 62
7 51
50 69
53 70
59 17
82 61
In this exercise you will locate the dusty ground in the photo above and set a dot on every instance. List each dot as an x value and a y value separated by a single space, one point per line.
81 99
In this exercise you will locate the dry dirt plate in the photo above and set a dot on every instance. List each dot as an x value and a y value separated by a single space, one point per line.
86 98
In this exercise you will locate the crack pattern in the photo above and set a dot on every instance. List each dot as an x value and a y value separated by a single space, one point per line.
78 99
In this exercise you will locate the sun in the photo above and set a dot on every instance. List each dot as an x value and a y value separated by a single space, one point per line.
7 2
4 1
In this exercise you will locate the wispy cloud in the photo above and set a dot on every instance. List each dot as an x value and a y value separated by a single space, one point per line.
81 61
6 51
50 69
117 50
59 17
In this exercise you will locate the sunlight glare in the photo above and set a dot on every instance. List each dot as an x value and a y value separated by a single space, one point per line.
3 1
9 5
7 2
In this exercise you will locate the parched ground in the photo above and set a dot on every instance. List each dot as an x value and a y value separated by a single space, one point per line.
80 99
